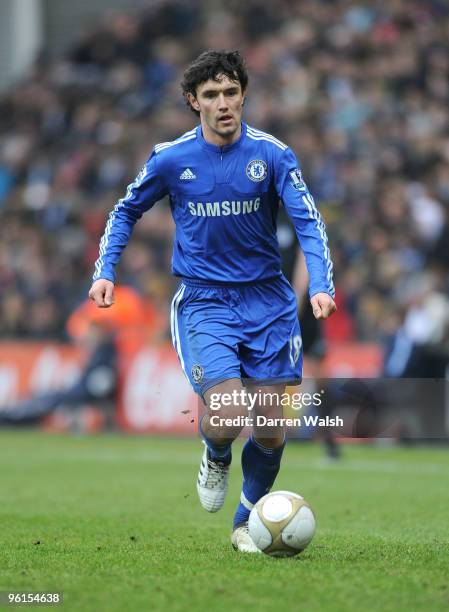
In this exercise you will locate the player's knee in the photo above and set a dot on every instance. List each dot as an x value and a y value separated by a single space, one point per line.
227 400
227 410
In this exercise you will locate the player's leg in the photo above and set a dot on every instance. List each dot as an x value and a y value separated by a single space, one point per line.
261 460
206 335
216 432
262 453
271 358
218 436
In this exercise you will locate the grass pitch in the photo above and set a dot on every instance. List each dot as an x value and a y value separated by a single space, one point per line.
114 523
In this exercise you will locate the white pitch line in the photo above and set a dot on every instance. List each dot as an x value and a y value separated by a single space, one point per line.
193 458
361 466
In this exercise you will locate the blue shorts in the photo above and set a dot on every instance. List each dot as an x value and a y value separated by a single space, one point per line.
237 331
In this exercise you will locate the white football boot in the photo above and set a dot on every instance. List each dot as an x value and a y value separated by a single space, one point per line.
242 541
212 484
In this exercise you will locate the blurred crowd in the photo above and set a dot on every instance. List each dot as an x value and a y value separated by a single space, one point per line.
360 91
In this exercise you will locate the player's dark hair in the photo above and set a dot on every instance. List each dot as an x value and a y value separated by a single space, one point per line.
211 64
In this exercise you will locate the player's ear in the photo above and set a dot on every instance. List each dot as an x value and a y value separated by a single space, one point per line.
193 101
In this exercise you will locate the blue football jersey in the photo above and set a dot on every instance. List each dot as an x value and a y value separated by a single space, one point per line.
224 202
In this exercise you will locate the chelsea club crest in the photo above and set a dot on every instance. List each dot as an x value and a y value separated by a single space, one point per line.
256 170
197 373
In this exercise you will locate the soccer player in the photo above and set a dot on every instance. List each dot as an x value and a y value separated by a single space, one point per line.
234 317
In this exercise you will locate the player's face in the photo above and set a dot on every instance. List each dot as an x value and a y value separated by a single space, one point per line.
220 104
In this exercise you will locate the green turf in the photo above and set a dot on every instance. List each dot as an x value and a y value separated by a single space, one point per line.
115 524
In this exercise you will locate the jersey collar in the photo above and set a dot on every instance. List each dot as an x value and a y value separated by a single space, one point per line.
216 148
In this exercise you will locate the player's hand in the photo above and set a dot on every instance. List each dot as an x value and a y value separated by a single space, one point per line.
102 293
322 305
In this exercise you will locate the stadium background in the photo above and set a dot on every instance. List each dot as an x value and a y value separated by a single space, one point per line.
360 91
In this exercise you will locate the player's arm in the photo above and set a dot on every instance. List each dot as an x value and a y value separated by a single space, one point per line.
311 233
322 304
300 279
146 189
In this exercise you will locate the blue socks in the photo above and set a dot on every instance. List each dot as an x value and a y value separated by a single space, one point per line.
217 452
260 466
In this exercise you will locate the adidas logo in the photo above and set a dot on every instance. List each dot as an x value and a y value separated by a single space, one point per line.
187 175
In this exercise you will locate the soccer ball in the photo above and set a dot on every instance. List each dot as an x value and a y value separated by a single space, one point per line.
281 524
